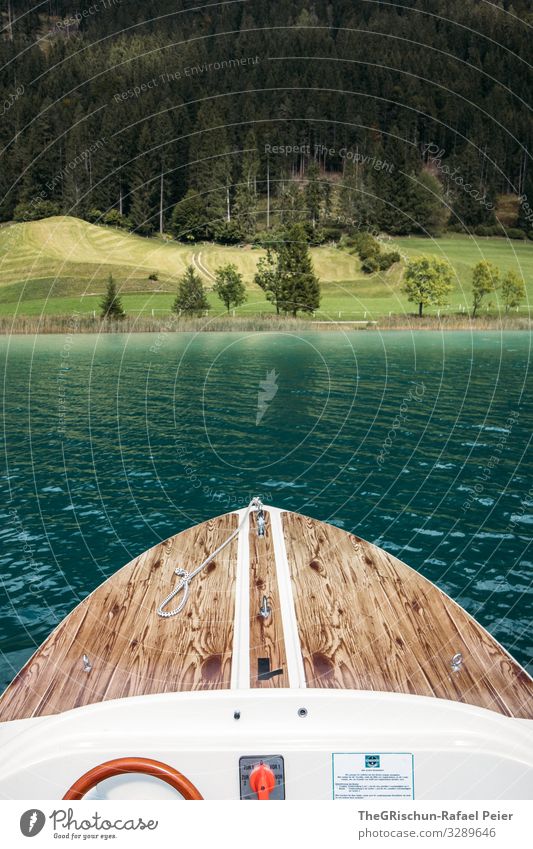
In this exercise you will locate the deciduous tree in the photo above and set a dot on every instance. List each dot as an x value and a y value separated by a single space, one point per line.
229 286
485 279
428 282
513 290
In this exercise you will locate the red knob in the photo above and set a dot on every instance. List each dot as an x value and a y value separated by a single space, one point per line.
262 781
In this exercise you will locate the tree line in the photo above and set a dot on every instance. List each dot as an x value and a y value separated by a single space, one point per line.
428 281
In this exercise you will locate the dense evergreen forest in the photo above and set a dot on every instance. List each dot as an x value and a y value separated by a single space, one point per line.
223 119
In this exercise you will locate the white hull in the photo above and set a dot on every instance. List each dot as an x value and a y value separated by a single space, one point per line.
459 751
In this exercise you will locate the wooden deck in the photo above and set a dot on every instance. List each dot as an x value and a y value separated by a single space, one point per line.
363 621
369 622
132 650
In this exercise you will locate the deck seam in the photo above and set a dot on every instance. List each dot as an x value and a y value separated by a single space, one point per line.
293 648
240 664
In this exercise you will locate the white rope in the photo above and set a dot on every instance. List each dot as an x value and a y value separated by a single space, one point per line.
186 577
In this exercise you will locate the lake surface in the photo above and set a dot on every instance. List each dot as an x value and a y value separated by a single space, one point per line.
416 442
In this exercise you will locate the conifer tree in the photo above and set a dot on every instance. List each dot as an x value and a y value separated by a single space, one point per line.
39 160
145 190
525 214
191 297
210 155
245 209
189 218
300 286
471 198
286 274
250 163
107 174
313 194
427 208
292 205
164 157
76 179
111 304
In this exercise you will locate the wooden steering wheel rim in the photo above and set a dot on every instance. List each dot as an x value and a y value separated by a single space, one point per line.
123 766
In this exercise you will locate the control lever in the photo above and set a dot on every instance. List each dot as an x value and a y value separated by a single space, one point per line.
262 781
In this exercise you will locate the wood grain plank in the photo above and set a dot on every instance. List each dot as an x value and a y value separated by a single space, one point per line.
201 637
132 650
102 636
369 622
266 634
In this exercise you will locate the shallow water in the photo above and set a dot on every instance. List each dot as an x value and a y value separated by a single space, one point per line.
416 442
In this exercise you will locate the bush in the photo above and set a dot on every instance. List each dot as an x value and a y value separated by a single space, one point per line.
332 232
317 236
515 233
366 246
486 230
386 260
153 276
267 238
495 230
227 233
33 211
113 218
369 250
370 264
347 241
94 216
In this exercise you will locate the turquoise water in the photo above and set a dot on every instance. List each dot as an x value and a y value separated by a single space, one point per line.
417 442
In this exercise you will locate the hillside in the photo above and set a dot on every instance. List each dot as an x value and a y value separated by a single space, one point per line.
60 265
416 112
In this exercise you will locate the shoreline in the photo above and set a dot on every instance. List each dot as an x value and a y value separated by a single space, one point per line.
69 325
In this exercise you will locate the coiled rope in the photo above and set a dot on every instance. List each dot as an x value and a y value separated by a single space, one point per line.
187 577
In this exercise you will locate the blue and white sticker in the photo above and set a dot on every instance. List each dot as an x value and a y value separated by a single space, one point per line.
373 775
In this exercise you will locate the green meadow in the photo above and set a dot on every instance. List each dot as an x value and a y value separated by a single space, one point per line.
59 266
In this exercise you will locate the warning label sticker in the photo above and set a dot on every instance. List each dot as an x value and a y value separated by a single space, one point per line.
373 775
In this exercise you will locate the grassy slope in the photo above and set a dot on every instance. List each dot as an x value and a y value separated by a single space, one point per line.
464 253
60 265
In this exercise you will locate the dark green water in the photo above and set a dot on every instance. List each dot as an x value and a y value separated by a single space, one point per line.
419 443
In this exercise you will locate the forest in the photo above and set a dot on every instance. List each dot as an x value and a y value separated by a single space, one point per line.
222 120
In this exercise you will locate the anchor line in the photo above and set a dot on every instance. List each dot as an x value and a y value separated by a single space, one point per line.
186 577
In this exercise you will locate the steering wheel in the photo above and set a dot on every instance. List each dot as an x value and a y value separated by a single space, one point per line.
123 766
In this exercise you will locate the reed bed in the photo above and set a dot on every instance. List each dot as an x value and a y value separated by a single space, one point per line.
66 325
